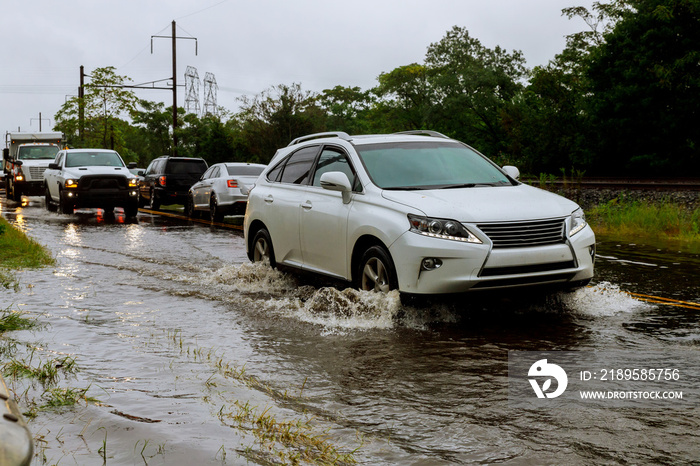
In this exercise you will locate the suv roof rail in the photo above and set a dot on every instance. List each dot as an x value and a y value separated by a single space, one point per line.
331 134
424 132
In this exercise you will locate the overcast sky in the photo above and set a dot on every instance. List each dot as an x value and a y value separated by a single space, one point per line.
249 46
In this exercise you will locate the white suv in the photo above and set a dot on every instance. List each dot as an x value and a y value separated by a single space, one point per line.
416 211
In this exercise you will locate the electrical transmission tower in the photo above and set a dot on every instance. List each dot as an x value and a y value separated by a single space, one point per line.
210 90
192 90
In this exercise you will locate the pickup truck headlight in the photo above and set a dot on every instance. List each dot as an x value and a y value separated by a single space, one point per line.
441 228
133 182
71 183
578 221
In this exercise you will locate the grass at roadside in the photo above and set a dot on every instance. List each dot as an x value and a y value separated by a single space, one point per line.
17 251
664 220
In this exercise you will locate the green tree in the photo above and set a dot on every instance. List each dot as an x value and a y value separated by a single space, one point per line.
274 117
645 89
405 99
151 134
106 103
473 86
346 109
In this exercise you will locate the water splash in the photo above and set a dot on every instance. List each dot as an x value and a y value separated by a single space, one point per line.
337 310
603 299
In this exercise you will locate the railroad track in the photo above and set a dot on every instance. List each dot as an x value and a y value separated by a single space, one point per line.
619 183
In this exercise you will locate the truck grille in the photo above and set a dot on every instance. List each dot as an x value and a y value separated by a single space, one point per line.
36 173
102 182
524 234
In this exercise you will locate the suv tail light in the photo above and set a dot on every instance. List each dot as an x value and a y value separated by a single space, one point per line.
161 180
232 183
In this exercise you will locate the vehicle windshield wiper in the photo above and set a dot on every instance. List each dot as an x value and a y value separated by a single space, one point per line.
463 185
405 188
472 185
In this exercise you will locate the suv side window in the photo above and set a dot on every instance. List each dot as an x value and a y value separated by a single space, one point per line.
334 160
298 166
152 167
274 174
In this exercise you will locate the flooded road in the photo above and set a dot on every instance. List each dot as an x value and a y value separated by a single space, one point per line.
186 353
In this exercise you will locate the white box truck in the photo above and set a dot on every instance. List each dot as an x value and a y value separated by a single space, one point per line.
25 158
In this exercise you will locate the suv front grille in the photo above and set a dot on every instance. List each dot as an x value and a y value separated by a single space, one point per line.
524 234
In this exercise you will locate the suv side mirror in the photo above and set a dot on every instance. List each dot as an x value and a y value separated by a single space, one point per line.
512 171
131 165
337 181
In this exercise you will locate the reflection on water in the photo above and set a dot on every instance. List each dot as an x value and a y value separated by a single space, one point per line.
72 234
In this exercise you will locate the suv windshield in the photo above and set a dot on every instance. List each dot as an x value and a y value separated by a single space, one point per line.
93 159
37 152
428 165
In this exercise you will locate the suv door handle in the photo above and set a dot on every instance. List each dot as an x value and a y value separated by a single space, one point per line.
307 205
269 199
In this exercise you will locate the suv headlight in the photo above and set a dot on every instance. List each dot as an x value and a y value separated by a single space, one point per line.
441 228
578 221
133 182
70 183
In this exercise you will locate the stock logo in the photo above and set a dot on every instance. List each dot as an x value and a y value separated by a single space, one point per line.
543 369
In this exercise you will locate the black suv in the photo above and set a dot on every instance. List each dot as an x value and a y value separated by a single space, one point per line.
167 180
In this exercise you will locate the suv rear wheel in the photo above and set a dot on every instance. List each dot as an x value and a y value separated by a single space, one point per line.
262 248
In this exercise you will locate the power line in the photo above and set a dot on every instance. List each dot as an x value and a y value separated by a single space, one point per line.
201 10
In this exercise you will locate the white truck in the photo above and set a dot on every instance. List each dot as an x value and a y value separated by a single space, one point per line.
25 158
93 178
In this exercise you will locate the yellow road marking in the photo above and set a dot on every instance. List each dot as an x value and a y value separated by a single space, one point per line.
667 301
184 217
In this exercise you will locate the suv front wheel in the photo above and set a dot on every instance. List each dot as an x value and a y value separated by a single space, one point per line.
189 208
376 271
154 203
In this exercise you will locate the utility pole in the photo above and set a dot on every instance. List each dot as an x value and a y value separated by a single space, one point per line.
32 119
81 104
174 38
174 91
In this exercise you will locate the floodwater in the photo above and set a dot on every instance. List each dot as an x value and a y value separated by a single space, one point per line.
192 355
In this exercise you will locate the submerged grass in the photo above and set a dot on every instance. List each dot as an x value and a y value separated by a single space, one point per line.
13 320
281 441
17 251
664 220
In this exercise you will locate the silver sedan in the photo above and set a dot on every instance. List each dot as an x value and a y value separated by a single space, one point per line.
222 190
